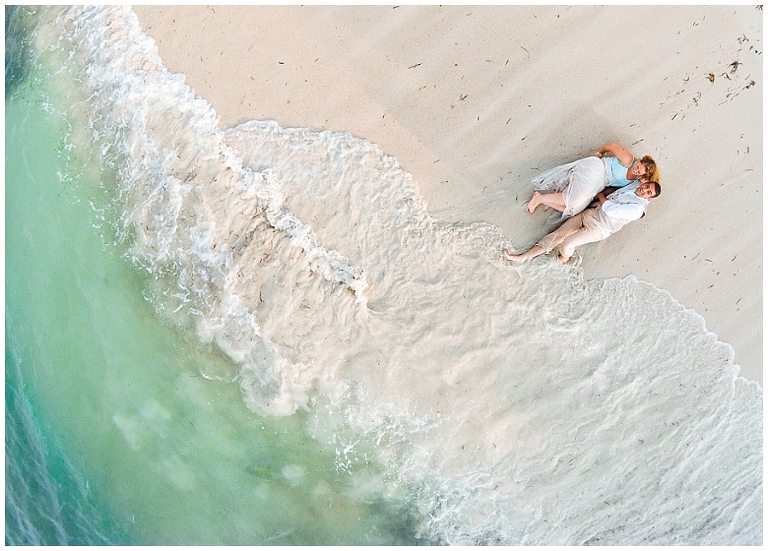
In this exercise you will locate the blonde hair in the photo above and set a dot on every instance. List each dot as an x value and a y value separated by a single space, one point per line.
651 170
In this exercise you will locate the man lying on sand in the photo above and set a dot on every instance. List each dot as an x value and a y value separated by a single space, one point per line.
595 224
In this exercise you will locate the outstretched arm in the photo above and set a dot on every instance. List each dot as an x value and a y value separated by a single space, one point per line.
624 156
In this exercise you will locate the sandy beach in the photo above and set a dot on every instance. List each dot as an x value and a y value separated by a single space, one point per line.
475 101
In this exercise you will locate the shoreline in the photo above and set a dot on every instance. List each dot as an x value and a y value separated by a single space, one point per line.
475 101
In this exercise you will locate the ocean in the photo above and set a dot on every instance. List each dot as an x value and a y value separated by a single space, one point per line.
259 335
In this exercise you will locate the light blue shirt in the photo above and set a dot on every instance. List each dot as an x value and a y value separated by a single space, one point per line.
615 172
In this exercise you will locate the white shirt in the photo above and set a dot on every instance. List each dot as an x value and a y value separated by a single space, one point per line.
621 207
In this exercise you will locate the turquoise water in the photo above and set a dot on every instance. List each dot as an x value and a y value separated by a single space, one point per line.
126 396
93 374
47 501
259 336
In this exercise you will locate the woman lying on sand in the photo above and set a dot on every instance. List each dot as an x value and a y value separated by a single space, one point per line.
571 187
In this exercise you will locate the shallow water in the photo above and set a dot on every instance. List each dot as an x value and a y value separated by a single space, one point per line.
259 335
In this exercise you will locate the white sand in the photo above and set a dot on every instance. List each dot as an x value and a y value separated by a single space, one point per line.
474 101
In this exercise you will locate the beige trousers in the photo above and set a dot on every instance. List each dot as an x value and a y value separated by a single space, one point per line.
577 230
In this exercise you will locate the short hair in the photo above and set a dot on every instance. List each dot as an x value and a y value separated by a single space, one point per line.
651 170
657 187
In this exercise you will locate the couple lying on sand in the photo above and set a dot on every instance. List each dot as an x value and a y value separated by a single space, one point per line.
619 184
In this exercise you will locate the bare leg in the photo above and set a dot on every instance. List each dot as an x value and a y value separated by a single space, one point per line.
553 200
534 202
532 253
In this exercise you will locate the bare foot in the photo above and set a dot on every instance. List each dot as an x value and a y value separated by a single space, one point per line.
533 203
563 259
513 257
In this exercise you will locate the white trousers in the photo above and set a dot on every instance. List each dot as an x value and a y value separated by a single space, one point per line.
579 182
577 230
